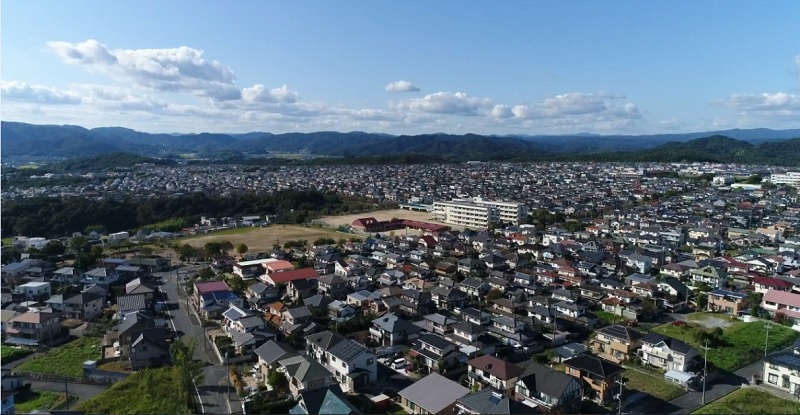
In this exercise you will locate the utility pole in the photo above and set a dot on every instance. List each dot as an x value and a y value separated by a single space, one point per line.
705 372
768 326
228 375
621 384
66 391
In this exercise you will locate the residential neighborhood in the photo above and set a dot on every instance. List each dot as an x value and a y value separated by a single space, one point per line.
598 277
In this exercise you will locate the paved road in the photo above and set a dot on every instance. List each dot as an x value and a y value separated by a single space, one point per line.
84 391
212 390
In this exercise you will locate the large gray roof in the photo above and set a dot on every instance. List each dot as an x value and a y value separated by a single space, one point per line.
304 368
273 351
347 349
490 401
446 393
538 377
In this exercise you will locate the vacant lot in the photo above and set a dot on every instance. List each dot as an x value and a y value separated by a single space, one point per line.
159 386
66 360
336 221
742 343
262 239
9 354
31 401
711 320
653 386
750 401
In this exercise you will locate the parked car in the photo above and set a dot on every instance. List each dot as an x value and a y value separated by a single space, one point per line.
399 363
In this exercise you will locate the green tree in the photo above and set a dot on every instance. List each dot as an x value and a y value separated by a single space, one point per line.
190 371
206 273
145 251
225 247
213 248
277 380
494 294
97 251
78 244
54 248
241 249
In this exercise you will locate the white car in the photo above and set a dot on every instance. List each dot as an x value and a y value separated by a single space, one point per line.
399 363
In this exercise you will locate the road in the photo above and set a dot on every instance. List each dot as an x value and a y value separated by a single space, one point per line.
212 390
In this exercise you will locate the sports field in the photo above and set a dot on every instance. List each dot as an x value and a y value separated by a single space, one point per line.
335 221
262 239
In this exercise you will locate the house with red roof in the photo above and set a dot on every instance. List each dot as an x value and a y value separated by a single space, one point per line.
781 302
284 277
491 371
764 284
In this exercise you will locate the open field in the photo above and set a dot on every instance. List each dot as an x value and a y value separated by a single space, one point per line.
262 239
160 386
742 343
750 401
336 221
655 387
65 360
30 401
10 353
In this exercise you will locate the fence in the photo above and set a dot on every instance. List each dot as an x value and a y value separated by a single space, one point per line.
92 379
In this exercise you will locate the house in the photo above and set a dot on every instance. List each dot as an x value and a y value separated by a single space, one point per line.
641 263
8 405
570 309
259 295
37 291
448 298
712 276
67 275
333 286
100 275
491 371
725 301
474 287
300 288
488 401
415 303
305 374
418 399
207 287
269 354
139 338
615 343
782 371
668 353
599 376
431 349
438 323
85 306
549 390
391 330
328 400
133 303
780 302
764 284
294 319
213 298
137 286
284 277
33 327
475 316
246 328
353 365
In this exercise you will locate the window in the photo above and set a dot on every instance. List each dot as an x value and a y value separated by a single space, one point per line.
773 366
370 361
333 358
786 383
773 379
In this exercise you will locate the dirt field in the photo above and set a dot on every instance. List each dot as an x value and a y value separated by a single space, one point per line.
262 239
336 221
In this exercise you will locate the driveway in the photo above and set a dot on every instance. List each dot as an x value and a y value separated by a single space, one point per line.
212 390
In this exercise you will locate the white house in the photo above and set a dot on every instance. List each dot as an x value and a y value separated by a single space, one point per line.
118 237
35 291
782 371
353 365
667 353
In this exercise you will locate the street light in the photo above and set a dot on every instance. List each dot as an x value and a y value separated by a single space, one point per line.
768 326
705 372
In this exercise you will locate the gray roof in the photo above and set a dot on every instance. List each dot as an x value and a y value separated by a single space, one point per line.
620 332
325 340
251 321
490 401
348 349
258 288
273 351
131 302
328 400
538 377
674 344
440 319
299 312
447 392
435 341
304 368
83 298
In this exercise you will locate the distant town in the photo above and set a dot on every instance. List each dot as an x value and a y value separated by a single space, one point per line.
514 288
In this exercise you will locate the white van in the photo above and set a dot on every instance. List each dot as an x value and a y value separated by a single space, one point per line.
399 363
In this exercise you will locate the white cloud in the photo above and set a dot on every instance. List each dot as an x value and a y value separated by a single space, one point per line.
502 111
258 93
23 92
457 103
778 103
401 86
176 69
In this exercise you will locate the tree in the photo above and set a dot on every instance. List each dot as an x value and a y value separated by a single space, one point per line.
186 252
277 380
54 248
213 248
206 273
190 371
78 244
494 294
145 251
241 249
97 251
225 247
237 284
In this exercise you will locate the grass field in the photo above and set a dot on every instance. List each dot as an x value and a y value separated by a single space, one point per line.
159 386
65 360
750 401
262 239
30 401
7 241
655 387
743 343
9 354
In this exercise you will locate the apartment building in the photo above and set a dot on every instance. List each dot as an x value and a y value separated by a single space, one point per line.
791 178
479 213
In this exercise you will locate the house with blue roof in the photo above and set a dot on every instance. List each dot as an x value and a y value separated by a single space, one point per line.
329 400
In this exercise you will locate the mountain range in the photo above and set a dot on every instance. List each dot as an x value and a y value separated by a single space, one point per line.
765 146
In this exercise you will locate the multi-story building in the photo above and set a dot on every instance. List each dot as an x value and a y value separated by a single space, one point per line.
791 178
353 365
491 371
615 343
479 213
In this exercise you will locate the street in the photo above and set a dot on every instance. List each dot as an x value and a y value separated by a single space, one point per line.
212 390
82 390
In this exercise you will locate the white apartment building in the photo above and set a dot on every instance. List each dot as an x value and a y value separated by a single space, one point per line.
479 213
791 178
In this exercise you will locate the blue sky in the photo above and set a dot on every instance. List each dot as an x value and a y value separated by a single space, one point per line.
511 67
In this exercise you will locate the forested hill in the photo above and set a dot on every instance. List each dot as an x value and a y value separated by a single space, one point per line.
51 141
105 161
